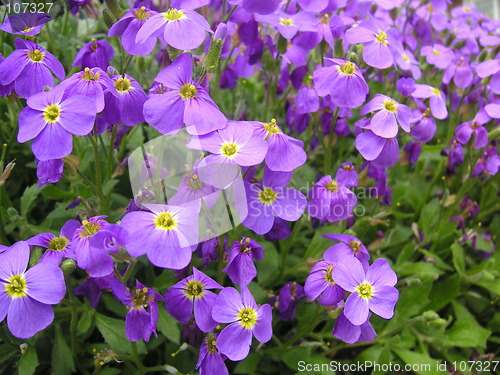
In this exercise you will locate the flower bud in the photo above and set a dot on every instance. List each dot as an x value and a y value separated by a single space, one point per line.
109 18
68 266
438 323
430 315
221 32
36 254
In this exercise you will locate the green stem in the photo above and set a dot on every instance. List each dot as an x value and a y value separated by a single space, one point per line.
98 174
328 150
110 153
220 260
135 357
286 248
129 270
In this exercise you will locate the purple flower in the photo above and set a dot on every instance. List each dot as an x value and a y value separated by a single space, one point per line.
437 100
258 6
207 250
29 67
245 319
461 72
50 119
57 247
381 44
184 102
142 317
389 114
284 153
288 25
124 101
237 143
466 130
97 53
240 268
181 29
26 295
373 290
347 175
407 61
347 246
438 55
455 153
167 234
128 26
488 68
210 361
270 200
193 294
49 171
92 288
90 83
382 152
424 125
25 23
290 294
110 238
413 149
405 86
350 333
337 78
331 200
320 285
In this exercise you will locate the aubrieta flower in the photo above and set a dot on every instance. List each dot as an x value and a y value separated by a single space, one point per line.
51 119
92 288
142 317
124 101
466 130
347 175
272 199
350 333
57 247
307 100
184 102
237 143
438 55
337 78
26 296
210 361
90 83
437 99
49 171
240 268
407 61
405 86
382 152
289 295
490 68
461 73
288 25
389 114
381 44
128 26
180 28
245 319
29 68
348 246
371 290
193 294
25 23
167 234
320 285
257 6
331 200
284 153
488 163
424 125
97 53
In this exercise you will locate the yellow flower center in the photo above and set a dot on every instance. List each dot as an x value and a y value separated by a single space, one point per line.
165 221
347 68
244 248
211 345
58 243
430 9
173 15
328 275
268 195
188 91
436 52
140 298
467 9
88 75
36 55
405 57
381 37
348 167
247 317
52 113
355 246
89 228
194 289
271 128
27 29
229 149
390 106
286 21
123 84
141 14
194 183
325 19
16 286
365 290
332 186
436 92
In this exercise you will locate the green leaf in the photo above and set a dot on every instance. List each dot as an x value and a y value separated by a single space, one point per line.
249 364
28 198
466 332
296 354
267 269
412 301
28 362
444 292
113 331
429 217
6 352
458 258
319 244
85 323
62 358
420 363
169 326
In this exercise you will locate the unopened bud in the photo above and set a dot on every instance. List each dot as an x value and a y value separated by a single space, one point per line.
438 323
109 18
171 370
35 255
430 315
68 266
213 55
221 31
